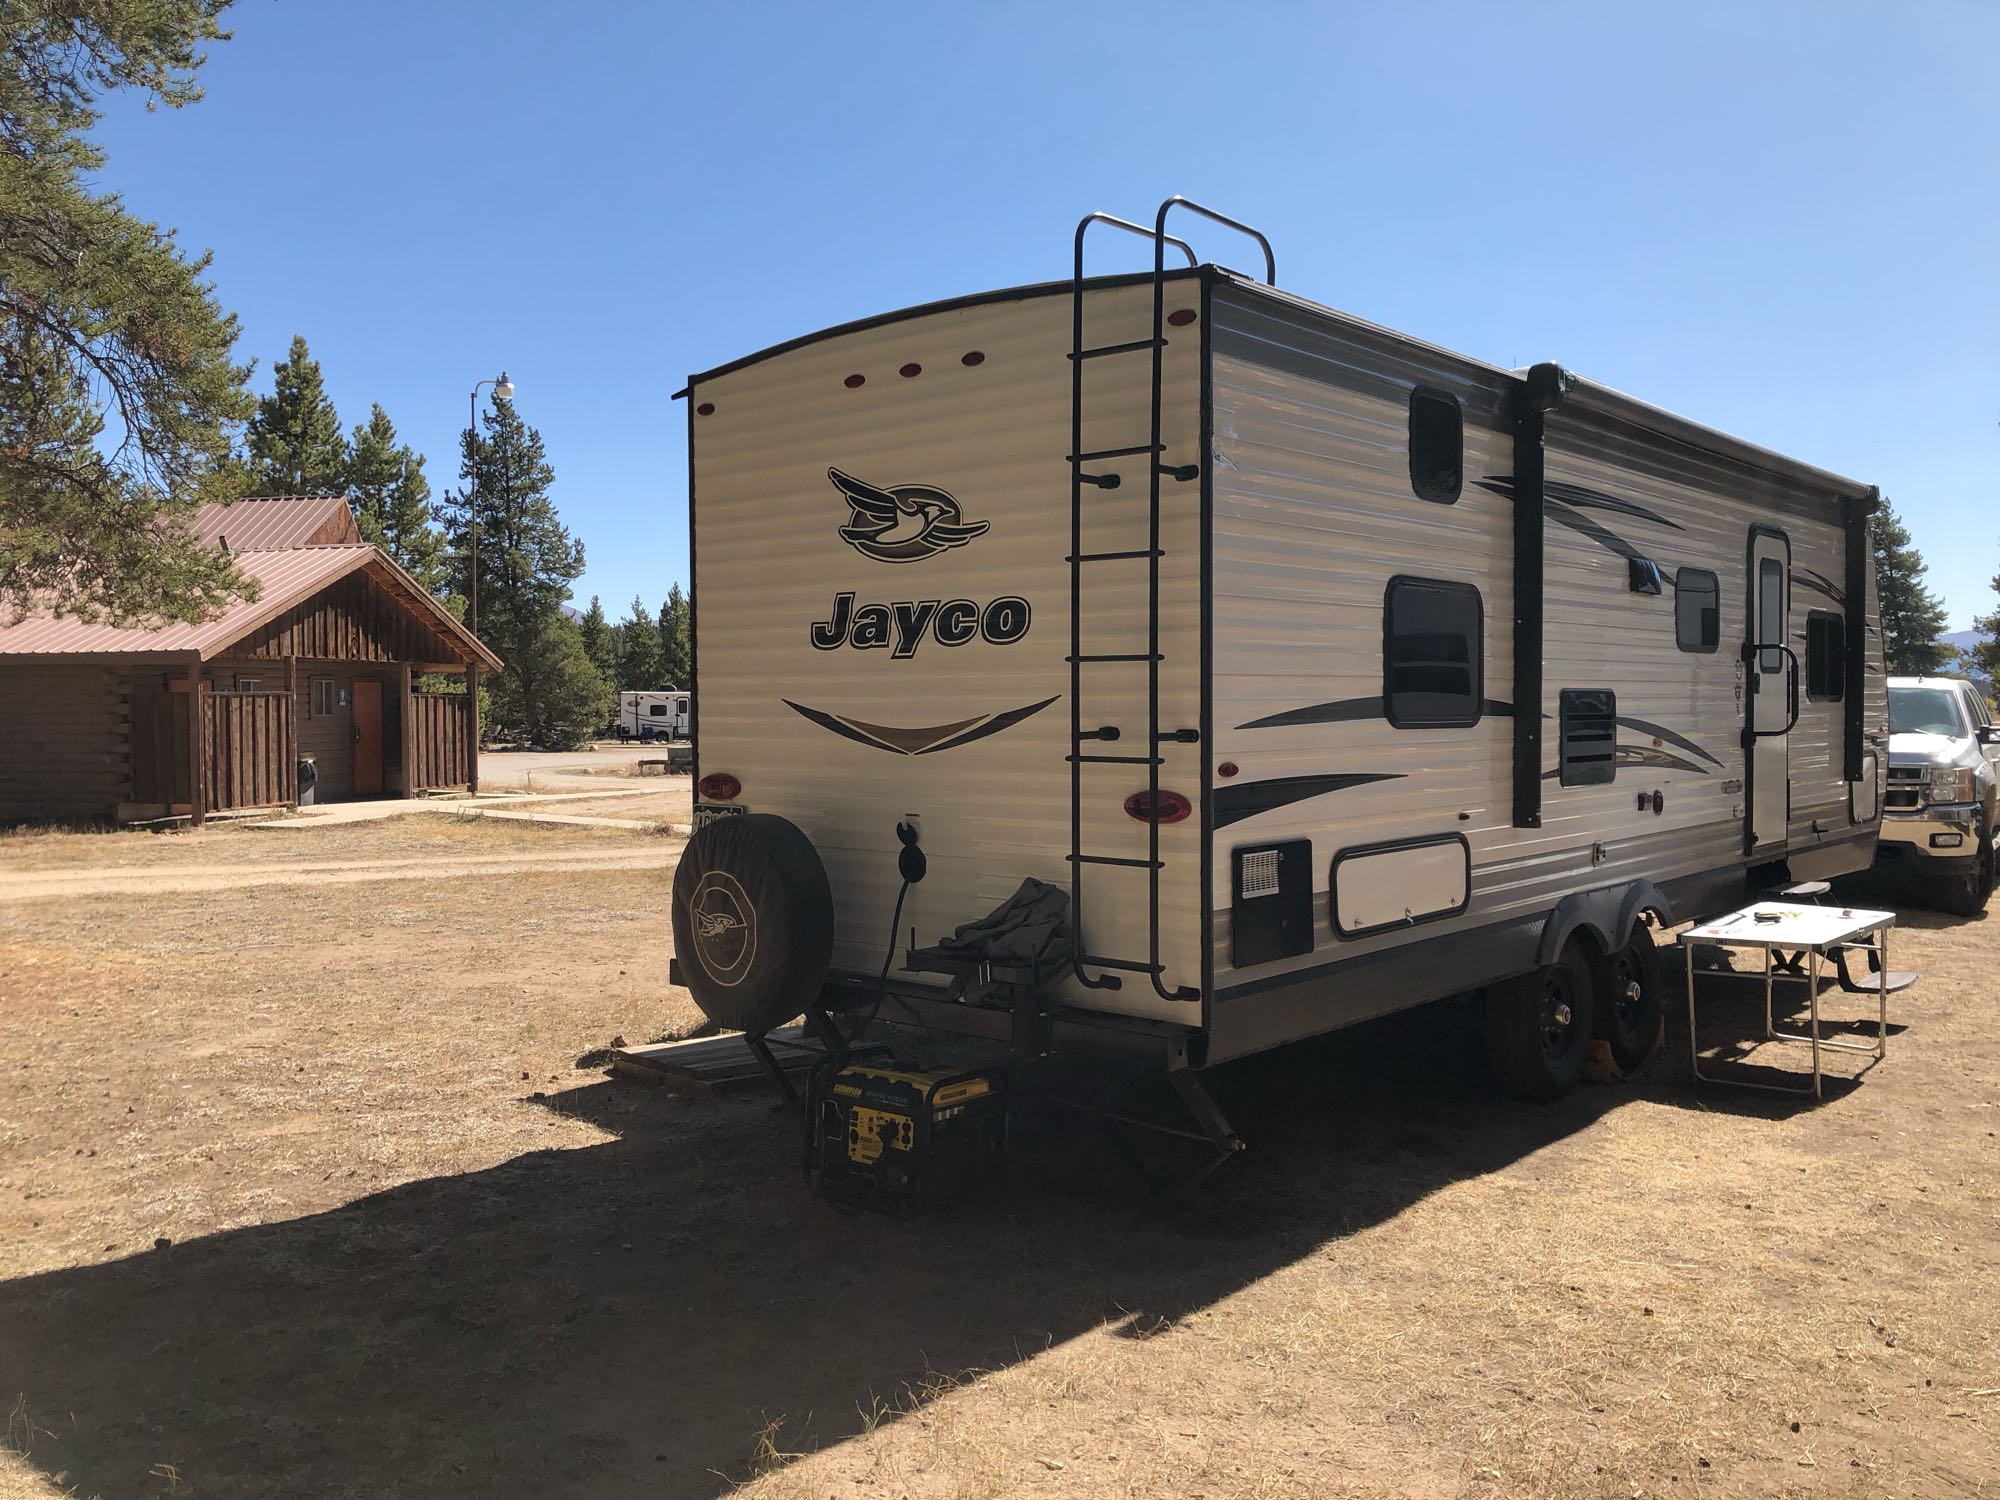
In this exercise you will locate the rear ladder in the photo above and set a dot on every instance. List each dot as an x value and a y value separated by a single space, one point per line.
1152 451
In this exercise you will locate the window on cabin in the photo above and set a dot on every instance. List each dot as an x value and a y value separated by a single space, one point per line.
325 698
1432 661
1697 610
1826 656
1437 445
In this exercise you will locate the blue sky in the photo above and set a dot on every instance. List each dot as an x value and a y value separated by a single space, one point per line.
1776 218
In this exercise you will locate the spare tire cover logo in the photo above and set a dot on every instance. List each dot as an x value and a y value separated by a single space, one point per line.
725 927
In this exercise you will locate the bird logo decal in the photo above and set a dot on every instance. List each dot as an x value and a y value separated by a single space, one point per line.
713 924
905 523
724 920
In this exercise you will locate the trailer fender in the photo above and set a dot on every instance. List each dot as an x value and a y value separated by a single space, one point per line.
1607 914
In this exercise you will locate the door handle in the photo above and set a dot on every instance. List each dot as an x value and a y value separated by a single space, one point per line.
1750 655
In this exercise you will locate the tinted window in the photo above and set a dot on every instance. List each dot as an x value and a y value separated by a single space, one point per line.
1770 614
1697 610
1437 445
1432 672
1826 655
1587 753
1919 710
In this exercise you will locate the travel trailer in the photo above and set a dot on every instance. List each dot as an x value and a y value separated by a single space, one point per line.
663 715
1328 672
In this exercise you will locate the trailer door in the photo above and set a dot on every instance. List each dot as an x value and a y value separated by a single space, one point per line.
1771 691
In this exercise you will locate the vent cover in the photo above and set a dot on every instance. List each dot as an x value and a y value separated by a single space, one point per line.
1259 875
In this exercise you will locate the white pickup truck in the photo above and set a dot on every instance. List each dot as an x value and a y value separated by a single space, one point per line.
1939 813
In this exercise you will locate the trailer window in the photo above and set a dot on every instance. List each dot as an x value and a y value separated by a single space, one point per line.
1826 655
1432 663
1587 754
656 710
1697 610
1437 445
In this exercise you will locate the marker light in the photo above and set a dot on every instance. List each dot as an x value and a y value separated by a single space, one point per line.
718 786
1171 807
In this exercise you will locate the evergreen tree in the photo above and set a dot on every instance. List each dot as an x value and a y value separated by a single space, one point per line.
596 631
640 667
527 558
1985 653
101 312
295 442
552 693
392 499
676 638
1912 616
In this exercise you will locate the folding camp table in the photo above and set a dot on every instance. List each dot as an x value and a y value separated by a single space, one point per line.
1805 934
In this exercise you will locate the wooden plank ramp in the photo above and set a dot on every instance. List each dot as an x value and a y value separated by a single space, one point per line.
715 1064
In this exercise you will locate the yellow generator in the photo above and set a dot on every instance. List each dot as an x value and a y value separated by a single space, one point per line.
891 1135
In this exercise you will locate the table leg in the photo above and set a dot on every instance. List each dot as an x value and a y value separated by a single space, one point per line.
1694 1052
1769 1030
1882 994
1812 985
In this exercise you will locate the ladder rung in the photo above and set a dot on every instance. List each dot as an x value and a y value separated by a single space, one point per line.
1115 556
1129 965
1118 760
1108 732
1084 458
1106 859
1178 737
1103 349
1102 481
1120 656
1182 472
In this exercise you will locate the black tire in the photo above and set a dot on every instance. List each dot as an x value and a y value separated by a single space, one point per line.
1626 987
753 921
1538 1028
1966 895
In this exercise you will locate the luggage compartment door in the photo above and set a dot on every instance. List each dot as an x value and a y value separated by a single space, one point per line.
1771 689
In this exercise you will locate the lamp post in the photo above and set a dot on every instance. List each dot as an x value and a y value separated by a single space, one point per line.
502 387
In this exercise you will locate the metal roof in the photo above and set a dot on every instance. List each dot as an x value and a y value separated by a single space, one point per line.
259 523
285 579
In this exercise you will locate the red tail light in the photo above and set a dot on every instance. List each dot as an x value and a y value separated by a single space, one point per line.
718 786
1169 807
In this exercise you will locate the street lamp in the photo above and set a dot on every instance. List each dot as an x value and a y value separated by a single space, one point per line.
504 388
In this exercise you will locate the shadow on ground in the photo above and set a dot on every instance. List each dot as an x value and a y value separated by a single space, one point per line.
626 1318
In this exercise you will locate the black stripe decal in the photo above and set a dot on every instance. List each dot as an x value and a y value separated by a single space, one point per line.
1503 484
1643 755
1232 804
1586 499
839 726
993 725
1819 583
1672 737
1354 710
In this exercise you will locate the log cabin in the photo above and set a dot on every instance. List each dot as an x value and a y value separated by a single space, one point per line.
320 688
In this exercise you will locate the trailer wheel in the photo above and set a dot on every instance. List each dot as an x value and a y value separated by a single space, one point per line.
753 921
1538 1028
1626 985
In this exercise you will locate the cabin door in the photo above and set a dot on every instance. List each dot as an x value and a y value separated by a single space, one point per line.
1771 688
367 738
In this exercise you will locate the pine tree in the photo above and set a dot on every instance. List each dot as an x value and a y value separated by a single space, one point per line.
527 558
640 668
551 694
598 642
1985 653
1912 616
392 499
676 638
101 311
295 441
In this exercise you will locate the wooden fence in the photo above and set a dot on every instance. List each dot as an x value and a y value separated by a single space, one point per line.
160 748
443 737
250 759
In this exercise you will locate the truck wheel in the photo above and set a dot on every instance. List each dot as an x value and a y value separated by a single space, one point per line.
1627 990
1965 895
1538 1028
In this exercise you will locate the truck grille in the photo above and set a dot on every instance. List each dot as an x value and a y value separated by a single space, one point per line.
1905 792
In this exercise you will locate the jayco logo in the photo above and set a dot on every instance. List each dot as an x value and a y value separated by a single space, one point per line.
901 627
906 523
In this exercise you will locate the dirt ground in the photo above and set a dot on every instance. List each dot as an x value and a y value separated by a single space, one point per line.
302 1193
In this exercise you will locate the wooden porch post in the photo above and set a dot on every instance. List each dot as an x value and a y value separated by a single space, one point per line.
290 770
472 726
409 722
197 750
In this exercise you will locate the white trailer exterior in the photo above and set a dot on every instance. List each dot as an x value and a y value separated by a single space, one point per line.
666 714
1455 663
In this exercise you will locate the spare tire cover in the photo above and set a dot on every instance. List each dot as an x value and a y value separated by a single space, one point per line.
753 921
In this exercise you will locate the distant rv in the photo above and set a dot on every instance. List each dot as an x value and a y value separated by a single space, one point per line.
662 715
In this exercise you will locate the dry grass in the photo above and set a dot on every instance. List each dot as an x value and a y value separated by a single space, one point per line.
415 1251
